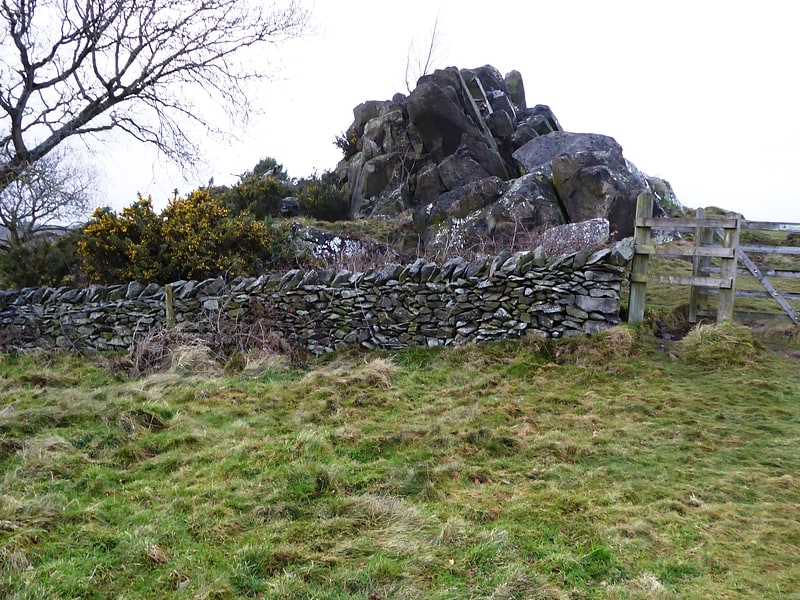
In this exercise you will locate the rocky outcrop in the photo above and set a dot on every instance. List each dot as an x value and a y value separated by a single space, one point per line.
453 129
466 140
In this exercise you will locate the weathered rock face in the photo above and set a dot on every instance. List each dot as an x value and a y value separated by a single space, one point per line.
329 247
590 176
445 150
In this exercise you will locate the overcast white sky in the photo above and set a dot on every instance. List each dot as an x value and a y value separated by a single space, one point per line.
703 93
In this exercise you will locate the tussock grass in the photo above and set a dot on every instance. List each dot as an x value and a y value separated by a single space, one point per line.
193 358
720 346
606 467
264 363
607 349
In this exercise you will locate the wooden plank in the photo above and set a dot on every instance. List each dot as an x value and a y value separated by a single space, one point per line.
639 265
782 274
740 293
169 306
745 315
702 237
678 251
771 250
768 226
764 294
699 282
728 270
778 274
689 224
753 268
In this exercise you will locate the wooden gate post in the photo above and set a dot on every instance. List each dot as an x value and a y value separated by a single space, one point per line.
703 236
728 272
639 266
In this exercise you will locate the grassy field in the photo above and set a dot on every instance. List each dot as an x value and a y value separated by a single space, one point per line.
618 466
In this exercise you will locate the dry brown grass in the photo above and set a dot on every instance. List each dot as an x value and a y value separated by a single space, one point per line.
719 345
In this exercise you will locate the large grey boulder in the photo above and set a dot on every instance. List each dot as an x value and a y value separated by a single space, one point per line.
530 203
537 153
534 122
439 119
461 202
334 248
516 89
590 176
388 131
505 212
572 237
428 186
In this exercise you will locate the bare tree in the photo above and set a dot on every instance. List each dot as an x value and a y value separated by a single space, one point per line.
420 62
47 197
77 67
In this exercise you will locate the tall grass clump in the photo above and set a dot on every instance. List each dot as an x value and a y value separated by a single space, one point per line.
606 349
719 345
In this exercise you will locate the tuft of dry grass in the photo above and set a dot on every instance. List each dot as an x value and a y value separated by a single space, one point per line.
606 349
163 349
259 362
370 373
192 357
719 345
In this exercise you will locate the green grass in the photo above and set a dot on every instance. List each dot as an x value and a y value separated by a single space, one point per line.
620 466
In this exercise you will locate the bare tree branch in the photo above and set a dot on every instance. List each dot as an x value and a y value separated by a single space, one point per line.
421 63
46 197
77 67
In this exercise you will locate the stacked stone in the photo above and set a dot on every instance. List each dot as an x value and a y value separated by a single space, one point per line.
395 306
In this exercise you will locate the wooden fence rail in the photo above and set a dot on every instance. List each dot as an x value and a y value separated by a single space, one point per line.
714 238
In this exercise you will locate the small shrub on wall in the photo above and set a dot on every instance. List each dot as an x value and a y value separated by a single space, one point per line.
320 198
255 195
40 263
192 238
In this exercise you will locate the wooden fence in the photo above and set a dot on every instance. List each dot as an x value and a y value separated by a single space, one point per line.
715 255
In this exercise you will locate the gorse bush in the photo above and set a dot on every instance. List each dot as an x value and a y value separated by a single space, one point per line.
257 195
260 191
191 238
321 198
122 247
39 263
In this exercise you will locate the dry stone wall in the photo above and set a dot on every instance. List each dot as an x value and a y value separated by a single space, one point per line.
394 306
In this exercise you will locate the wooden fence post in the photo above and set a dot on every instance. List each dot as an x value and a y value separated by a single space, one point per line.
728 271
169 306
703 236
639 266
